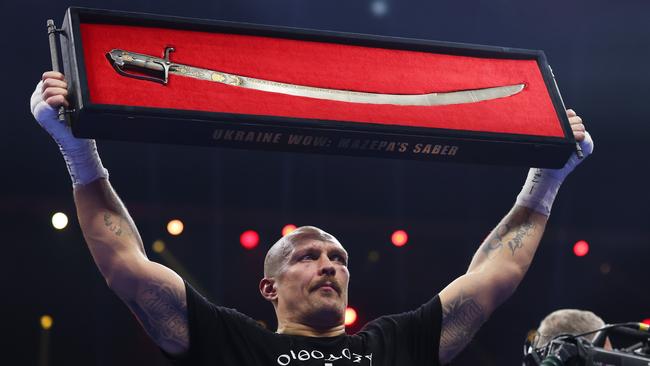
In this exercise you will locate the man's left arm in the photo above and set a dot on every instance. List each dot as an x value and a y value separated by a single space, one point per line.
502 260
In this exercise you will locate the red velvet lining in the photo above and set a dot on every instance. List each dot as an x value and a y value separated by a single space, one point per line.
318 64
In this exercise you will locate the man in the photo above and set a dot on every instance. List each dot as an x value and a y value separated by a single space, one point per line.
305 277
568 321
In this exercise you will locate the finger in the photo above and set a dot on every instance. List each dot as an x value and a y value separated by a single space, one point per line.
575 120
571 113
50 82
56 101
52 75
579 127
53 91
579 135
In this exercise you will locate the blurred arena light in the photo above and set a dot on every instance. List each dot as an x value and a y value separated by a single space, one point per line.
46 322
379 8
399 238
158 246
249 239
288 229
350 316
581 248
175 227
373 256
605 268
59 220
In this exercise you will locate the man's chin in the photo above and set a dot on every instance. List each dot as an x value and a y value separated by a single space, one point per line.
327 315
328 303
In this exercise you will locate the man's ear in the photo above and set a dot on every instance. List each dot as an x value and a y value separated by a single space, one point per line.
268 289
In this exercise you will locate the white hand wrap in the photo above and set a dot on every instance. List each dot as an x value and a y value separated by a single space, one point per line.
80 155
542 185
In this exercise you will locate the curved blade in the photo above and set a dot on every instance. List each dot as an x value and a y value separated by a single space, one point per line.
430 99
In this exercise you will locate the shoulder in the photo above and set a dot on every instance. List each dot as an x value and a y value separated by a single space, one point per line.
412 337
427 313
203 311
219 334
414 327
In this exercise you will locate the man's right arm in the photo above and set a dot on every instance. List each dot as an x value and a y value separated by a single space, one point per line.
154 293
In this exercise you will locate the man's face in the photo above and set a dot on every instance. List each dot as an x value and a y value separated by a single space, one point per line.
312 286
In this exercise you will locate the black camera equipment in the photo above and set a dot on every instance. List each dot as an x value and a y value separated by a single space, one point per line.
575 350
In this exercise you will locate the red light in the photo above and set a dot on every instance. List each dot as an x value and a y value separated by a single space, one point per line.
350 316
399 238
249 239
581 248
288 229
646 321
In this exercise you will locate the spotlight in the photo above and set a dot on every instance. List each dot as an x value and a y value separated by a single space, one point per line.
158 246
605 268
399 238
59 220
46 322
175 227
373 256
350 316
581 248
249 239
288 229
379 8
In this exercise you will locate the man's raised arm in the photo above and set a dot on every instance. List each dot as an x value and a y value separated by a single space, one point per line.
154 293
502 260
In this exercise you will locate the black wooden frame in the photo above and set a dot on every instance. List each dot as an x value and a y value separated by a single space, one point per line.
117 122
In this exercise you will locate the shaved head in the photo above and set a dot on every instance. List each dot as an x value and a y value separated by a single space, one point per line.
277 256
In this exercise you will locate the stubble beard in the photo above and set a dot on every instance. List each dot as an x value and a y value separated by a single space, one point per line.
327 312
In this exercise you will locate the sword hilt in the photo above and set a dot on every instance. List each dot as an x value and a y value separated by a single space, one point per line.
151 68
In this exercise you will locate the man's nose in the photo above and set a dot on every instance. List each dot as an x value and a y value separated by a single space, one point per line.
326 267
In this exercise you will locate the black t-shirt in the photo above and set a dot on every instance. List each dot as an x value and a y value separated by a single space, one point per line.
225 337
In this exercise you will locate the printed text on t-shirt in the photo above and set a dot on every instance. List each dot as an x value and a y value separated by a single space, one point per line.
301 356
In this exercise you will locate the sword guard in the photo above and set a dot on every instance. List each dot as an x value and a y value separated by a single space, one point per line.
124 60
167 51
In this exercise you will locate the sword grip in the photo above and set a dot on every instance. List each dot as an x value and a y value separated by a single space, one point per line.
154 68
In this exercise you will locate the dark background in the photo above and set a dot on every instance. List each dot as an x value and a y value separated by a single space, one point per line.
599 50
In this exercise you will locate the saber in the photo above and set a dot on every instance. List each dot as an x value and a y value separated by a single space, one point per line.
158 69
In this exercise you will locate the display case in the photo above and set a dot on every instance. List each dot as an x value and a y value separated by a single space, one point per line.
153 78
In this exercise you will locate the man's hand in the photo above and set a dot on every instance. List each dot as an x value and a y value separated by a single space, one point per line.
55 89
50 93
586 144
578 128
80 155
542 185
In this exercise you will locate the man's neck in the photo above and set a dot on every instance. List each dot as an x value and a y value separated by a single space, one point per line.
307 331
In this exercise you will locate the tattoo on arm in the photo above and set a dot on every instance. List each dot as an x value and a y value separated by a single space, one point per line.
495 240
461 319
523 231
522 226
121 227
115 224
162 311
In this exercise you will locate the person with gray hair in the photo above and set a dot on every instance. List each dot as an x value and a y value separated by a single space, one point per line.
568 321
306 276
